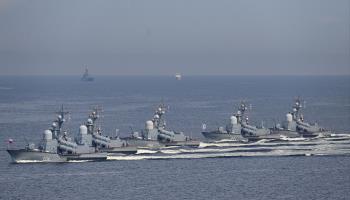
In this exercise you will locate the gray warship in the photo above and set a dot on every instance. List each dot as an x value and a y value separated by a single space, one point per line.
251 132
106 143
288 128
239 129
295 126
308 129
57 146
155 135
86 76
232 130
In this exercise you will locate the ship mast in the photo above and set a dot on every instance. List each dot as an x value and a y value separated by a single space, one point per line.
58 123
158 120
296 109
241 110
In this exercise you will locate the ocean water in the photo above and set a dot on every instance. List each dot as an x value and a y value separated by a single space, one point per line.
306 169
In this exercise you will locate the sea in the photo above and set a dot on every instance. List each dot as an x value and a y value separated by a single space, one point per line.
316 168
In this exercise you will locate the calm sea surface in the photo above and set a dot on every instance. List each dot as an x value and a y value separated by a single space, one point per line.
214 171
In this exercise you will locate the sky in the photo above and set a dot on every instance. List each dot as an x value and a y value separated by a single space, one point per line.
163 37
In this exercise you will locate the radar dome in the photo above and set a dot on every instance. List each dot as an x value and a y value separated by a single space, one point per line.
47 135
89 121
289 117
149 125
233 120
135 134
83 130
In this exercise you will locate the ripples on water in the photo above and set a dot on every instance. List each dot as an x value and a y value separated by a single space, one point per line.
339 145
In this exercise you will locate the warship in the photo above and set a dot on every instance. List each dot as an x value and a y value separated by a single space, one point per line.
57 146
105 143
309 129
288 128
251 132
294 125
239 129
86 76
232 130
155 135
286 131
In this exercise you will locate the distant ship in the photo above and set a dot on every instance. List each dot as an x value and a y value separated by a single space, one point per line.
178 76
86 76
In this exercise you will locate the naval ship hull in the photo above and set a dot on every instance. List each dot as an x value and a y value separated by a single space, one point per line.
285 133
121 150
315 134
214 135
135 143
274 135
254 138
24 155
189 143
155 144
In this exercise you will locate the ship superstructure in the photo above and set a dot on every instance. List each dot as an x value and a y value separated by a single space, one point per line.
102 142
155 133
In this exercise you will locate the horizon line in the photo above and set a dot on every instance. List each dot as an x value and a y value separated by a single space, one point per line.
188 75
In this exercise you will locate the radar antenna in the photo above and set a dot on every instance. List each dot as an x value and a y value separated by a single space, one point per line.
60 120
241 111
297 108
158 120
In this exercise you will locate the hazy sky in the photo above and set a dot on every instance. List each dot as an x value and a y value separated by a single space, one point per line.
140 37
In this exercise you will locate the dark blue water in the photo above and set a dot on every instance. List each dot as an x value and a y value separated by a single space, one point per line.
27 105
